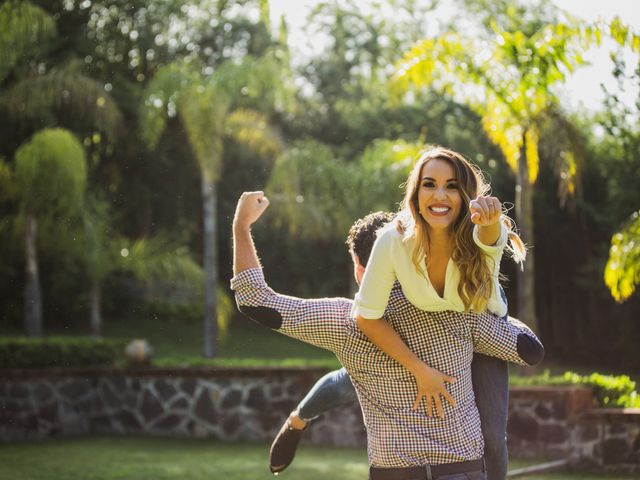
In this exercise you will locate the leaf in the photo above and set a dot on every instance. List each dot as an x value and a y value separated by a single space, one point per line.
24 30
622 272
531 151
67 94
51 172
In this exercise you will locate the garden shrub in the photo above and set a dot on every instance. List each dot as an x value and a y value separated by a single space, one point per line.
170 311
21 352
609 390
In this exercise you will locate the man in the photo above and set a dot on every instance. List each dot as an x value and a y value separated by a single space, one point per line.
402 443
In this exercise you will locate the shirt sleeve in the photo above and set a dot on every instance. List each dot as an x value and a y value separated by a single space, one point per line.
506 338
379 276
319 322
496 249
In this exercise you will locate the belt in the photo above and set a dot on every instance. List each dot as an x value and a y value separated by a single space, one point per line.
426 472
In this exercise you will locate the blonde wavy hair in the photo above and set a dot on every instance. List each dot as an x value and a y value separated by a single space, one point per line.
476 283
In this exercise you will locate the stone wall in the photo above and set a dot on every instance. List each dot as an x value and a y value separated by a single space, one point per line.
251 404
226 404
561 423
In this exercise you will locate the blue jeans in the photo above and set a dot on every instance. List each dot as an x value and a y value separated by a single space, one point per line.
331 391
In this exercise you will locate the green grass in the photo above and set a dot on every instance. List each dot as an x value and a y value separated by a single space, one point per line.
138 458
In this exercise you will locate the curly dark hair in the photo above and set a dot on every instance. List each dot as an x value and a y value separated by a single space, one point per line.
362 234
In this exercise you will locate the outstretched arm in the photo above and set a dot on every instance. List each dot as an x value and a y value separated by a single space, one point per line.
250 208
485 212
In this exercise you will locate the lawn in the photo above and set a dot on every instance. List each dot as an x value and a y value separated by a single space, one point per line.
137 458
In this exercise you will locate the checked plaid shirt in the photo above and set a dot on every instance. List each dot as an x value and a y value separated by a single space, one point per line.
396 435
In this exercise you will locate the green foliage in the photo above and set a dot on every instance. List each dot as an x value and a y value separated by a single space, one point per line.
24 30
19 352
162 98
310 191
51 172
511 81
319 196
609 390
159 258
211 107
188 313
262 363
7 184
63 96
622 272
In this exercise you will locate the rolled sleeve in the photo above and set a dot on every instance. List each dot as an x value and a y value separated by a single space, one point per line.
492 249
320 322
506 338
371 300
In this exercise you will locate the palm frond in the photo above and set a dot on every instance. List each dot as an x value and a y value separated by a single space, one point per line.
311 189
66 94
24 29
203 110
252 129
158 258
162 97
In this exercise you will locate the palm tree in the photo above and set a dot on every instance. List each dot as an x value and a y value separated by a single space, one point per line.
24 28
508 81
212 109
51 175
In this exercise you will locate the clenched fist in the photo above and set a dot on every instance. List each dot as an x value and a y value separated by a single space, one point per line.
251 206
485 210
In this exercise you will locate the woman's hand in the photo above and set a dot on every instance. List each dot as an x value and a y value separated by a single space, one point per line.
485 210
431 385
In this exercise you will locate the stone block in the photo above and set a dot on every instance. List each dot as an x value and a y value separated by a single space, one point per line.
256 398
165 389
204 408
231 425
542 411
128 422
150 407
188 386
231 399
42 392
553 433
19 391
615 450
179 403
616 428
76 389
169 423
109 396
522 426
586 433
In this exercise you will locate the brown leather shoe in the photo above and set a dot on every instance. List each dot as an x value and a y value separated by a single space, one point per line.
283 448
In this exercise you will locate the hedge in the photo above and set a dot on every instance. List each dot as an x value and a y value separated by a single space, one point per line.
609 390
22 352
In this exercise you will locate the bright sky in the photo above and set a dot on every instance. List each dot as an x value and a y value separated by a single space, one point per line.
582 89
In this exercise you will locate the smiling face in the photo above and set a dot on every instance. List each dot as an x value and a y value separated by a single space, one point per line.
439 199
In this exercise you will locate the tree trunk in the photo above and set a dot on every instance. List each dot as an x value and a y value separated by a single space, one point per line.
95 300
524 216
210 266
32 296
